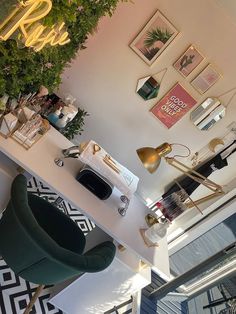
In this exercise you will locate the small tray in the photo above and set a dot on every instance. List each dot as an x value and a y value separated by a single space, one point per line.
24 141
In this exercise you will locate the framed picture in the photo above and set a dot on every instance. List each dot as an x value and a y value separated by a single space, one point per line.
154 38
188 61
205 79
173 106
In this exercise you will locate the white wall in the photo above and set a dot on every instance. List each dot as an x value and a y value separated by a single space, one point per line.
229 6
103 79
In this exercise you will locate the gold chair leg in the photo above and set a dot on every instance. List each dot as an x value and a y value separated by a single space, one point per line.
34 299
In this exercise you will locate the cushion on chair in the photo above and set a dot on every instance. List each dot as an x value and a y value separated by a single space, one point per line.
63 230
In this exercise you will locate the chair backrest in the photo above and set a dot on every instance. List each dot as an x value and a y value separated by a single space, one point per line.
35 251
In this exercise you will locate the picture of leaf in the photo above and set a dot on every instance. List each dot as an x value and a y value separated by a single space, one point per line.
155 35
149 53
154 38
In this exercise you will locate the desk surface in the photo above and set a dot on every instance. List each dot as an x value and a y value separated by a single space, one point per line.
39 161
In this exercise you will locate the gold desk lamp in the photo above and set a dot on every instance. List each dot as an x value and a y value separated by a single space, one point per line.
151 159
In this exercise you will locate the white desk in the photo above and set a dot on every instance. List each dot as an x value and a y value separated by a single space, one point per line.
39 161
96 293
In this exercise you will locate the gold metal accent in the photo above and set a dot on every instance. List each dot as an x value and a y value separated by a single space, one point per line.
198 177
151 157
82 146
204 199
191 202
111 163
96 149
142 265
215 142
151 220
121 248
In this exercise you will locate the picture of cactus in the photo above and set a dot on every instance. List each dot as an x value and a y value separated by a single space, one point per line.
188 61
154 38
185 61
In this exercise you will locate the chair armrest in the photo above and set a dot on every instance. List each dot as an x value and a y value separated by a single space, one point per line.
19 196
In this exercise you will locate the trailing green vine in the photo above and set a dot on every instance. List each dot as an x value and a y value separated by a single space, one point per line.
24 70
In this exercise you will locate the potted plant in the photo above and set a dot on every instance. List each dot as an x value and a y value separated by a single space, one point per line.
75 127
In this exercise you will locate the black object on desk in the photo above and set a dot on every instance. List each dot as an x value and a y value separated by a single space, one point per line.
95 182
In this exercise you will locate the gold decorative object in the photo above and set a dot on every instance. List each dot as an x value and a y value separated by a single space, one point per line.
96 149
151 220
121 248
215 142
25 18
142 265
151 158
111 163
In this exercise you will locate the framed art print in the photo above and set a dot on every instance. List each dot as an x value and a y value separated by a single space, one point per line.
154 38
173 106
188 61
205 79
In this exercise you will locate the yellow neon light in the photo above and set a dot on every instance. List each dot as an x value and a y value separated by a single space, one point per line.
24 19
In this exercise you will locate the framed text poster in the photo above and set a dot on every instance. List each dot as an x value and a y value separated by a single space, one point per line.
173 106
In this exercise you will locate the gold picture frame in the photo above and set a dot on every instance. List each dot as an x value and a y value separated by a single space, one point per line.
205 79
189 60
146 46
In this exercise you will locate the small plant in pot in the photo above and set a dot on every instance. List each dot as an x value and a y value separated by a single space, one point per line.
75 127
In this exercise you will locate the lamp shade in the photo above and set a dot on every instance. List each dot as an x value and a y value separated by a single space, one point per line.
151 157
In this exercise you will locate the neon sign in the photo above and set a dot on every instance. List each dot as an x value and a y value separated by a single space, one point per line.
24 21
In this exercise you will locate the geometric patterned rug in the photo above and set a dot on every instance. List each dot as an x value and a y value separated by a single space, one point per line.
15 292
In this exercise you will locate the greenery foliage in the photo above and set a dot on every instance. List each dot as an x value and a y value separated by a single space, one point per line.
157 35
24 70
75 127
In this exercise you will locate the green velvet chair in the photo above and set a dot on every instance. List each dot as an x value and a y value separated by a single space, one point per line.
41 244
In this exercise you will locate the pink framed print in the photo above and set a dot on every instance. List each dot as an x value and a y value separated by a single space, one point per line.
154 38
173 106
205 79
188 61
